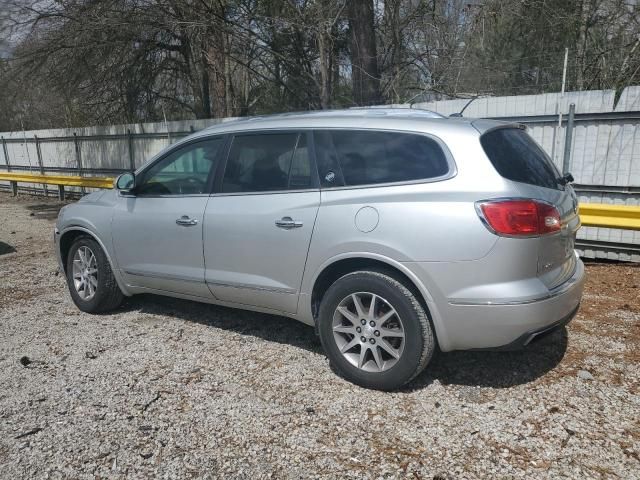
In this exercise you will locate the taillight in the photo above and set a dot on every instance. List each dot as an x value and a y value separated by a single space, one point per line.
520 217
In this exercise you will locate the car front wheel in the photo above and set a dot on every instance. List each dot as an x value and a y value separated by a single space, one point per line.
90 279
374 330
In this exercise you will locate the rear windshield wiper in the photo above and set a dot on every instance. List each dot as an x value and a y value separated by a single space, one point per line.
565 179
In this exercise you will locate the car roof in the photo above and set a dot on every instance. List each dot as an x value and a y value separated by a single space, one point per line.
405 119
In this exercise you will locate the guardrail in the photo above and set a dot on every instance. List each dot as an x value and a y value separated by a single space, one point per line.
626 217
60 181
591 214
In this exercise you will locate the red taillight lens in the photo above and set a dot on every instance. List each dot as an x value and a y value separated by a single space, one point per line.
521 217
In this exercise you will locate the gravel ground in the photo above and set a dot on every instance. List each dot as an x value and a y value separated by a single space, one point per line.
166 388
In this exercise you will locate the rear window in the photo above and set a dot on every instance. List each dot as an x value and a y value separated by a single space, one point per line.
516 156
371 157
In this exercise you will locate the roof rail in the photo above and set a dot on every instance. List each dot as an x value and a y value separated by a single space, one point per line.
409 110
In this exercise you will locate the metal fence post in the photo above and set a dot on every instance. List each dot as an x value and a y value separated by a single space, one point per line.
566 159
39 155
76 144
6 154
132 162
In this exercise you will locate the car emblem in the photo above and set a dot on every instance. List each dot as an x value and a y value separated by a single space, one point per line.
330 177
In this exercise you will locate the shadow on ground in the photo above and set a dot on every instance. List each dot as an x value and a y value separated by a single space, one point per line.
6 248
261 325
496 369
483 369
48 211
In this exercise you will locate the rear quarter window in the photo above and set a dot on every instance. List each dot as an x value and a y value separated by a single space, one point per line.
374 157
516 156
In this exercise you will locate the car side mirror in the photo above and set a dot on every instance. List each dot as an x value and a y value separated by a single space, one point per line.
126 182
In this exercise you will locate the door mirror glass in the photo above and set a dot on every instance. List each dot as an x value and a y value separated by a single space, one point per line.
126 182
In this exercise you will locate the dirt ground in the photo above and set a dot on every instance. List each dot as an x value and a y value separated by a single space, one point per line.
166 388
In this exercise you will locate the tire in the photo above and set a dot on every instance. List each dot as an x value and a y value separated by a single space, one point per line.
106 293
386 372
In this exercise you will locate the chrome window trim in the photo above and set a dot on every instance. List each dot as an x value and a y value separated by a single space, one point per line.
389 184
184 195
265 192
453 169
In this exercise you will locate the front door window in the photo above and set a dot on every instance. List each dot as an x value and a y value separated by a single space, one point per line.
187 171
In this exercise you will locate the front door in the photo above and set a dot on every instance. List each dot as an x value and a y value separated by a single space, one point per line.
257 229
157 231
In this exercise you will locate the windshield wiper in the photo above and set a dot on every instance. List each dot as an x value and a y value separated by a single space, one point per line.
565 179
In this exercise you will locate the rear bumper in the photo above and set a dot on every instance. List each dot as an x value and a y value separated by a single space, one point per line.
528 337
507 323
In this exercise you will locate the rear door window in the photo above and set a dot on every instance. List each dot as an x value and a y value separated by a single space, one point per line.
374 157
516 156
267 162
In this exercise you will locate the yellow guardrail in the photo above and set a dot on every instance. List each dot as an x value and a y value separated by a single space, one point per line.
591 214
610 216
65 180
60 181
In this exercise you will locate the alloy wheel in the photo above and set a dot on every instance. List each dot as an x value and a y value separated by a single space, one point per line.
85 273
368 332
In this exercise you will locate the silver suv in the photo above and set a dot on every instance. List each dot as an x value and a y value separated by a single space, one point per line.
393 232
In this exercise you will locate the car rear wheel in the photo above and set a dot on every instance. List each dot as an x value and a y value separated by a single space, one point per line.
90 279
374 330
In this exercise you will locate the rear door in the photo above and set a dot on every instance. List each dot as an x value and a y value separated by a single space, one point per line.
258 226
518 158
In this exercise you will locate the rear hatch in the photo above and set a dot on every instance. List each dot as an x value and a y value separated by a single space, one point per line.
519 159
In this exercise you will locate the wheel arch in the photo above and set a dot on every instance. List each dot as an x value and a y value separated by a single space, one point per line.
338 267
69 235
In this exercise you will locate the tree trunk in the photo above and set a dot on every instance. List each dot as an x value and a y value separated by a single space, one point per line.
205 98
581 44
392 20
198 76
324 53
228 87
364 60
216 65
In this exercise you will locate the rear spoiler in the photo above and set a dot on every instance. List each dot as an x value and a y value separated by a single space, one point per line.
483 125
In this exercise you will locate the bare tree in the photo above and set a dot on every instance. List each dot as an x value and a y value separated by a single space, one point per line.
79 62
365 76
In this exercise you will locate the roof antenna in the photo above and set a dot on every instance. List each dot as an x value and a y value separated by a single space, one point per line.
459 114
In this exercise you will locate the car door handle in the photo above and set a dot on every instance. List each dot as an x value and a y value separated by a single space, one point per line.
288 223
185 221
